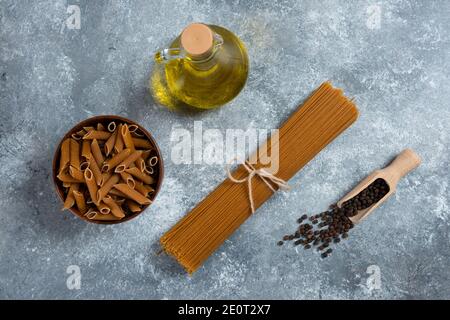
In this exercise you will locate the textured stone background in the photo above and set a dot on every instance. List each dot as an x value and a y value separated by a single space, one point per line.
396 67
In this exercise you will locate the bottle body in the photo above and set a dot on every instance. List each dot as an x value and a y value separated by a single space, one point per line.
204 83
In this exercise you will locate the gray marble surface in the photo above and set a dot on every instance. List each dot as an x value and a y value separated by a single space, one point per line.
392 56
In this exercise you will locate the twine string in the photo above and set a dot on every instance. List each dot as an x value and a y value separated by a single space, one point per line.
265 176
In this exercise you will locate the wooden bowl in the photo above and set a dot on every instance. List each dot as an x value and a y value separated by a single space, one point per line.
159 172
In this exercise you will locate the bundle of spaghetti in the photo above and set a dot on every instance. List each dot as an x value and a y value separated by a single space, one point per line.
325 115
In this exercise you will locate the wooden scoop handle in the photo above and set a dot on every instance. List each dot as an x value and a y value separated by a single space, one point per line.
405 162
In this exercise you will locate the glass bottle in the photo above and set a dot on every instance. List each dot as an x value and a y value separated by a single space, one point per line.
205 67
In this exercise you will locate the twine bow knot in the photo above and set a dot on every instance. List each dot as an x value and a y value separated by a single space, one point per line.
265 176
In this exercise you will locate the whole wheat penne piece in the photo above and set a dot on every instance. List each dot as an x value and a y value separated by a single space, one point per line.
65 177
87 129
105 177
132 194
135 131
76 173
103 208
75 136
97 153
112 126
149 170
65 155
140 164
84 165
103 191
119 200
126 136
145 190
91 214
96 171
153 161
126 162
146 154
80 201
86 149
116 210
70 199
91 185
96 134
117 193
105 217
109 145
118 145
128 179
100 127
135 172
133 206
140 143
114 161
74 153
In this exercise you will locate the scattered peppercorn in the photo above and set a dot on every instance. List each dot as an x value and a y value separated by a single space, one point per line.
335 224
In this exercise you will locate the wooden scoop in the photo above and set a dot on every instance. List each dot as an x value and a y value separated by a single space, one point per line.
405 162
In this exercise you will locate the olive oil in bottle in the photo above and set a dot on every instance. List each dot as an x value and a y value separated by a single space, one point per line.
205 67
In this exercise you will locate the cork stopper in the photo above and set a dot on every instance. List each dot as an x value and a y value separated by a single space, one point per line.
197 39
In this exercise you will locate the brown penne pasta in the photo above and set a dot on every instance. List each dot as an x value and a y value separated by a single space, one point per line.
135 172
91 185
149 170
105 217
70 199
75 136
107 186
117 193
118 145
146 154
140 143
91 214
116 210
134 130
128 179
97 153
153 161
120 201
145 190
80 201
126 136
132 194
86 149
74 153
65 177
65 155
96 171
126 162
133 206
76 173
112 126
95 134
109 145
105 177
140 163
114 161
103 208
105 170
84 165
